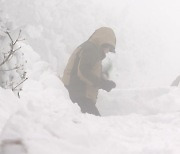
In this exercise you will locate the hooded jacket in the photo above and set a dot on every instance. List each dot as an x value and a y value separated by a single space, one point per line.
83 73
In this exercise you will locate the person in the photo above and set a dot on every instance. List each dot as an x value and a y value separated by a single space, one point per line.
83 75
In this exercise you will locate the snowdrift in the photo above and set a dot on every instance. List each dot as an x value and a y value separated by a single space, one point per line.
134 121
45 121
141 101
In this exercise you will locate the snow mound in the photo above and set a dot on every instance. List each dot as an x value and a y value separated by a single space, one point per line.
141 101
134 121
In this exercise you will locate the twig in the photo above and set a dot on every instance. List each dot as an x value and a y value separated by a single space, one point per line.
6 59
10 69
16 49
12 44
13 53
9 37
22 40
17 38
19 84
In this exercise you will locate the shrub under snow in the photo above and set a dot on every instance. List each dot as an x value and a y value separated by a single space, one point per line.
12 62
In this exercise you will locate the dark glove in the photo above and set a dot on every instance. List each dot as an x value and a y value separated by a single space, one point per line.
108 85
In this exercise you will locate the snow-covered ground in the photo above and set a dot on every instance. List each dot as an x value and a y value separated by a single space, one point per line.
143 120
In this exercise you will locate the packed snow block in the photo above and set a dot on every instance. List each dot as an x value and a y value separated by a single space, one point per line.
12 147
141 101
12 136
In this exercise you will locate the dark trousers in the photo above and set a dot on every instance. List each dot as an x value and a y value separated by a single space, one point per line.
77 95
86 104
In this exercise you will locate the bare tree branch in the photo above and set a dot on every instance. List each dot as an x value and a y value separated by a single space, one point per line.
17 38
17 67
13 48
6 59
19 84
9 36
12 44
16 49
13 53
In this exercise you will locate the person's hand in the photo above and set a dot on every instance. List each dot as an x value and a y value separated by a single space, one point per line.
108 85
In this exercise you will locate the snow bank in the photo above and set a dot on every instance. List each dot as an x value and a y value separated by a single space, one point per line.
44 121
42 101
147 101
9 104
47 122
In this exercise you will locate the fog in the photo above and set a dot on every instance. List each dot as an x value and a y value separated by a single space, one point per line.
140 116
147 34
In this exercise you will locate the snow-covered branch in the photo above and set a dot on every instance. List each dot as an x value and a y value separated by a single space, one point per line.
12 64
12 48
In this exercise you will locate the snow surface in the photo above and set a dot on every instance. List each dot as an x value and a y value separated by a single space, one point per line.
144 120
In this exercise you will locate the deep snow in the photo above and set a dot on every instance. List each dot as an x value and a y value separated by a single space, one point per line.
143 120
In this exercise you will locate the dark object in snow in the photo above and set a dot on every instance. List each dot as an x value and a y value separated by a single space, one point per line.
176 81
13 147
83 75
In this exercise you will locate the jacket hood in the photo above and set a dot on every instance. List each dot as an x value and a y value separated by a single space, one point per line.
103 35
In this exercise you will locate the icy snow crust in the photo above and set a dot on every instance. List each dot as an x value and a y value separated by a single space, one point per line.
44 121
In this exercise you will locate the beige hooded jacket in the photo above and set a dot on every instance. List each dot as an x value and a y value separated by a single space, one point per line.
84 69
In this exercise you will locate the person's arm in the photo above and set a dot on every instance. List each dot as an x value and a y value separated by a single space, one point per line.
88 60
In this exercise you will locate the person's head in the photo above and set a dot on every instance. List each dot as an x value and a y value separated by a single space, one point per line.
107 48
105 39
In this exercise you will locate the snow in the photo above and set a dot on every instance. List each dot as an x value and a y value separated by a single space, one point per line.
140 116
